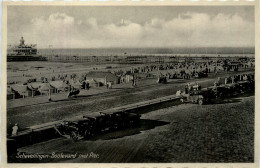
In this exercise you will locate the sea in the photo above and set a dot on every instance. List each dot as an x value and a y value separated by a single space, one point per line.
222 51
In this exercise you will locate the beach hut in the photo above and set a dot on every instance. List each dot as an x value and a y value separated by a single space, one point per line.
46 88
10 93
41 88
34 87
103 77
76 85
92 82
23 90
59 86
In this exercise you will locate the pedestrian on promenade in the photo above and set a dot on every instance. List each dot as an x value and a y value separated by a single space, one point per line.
15 129
186 89
189 87
219 80
245 77
133 82
178 93
87 86
196 86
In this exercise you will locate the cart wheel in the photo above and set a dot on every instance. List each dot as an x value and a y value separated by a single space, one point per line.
200 101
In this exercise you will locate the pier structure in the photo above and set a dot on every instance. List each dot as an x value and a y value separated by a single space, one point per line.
143 59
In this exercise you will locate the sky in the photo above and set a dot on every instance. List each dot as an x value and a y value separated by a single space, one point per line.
131 26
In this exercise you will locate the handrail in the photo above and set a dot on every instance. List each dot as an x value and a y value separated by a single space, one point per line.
113 110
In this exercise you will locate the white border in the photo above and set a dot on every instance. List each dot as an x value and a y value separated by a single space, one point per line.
130 3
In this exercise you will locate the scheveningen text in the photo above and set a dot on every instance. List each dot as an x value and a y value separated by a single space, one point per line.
56 156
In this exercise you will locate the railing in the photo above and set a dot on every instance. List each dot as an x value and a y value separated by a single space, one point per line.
113 110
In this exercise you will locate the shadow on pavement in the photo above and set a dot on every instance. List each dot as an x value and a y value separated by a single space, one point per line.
142 126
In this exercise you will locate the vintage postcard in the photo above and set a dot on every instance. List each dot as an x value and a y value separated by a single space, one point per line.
149 84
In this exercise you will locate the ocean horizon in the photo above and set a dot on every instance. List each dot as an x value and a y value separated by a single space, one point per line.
144 51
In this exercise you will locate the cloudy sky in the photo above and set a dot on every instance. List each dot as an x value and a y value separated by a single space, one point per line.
94 27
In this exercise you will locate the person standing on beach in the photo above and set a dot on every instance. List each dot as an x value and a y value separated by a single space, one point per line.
133 81
49 95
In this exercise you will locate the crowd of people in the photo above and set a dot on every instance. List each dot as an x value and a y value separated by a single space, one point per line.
130 74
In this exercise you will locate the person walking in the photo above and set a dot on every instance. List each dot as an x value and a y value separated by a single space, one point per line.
186 89
15 129
87 86
134 83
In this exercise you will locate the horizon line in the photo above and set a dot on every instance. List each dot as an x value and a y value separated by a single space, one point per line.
138 47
